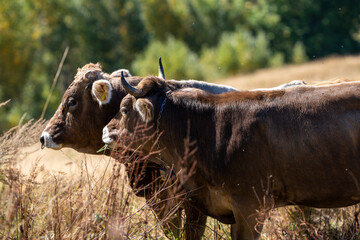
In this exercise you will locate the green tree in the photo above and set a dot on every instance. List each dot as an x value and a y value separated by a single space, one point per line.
236 52
324 27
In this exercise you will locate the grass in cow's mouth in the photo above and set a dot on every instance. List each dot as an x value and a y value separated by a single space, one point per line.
104 148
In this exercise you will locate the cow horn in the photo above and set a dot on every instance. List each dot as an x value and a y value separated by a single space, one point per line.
130 89
161 73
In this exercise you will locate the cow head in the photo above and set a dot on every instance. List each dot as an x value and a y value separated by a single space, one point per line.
138 111
87 105
127 116
110 131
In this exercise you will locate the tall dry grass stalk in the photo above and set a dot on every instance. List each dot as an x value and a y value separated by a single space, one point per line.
4 103
54 81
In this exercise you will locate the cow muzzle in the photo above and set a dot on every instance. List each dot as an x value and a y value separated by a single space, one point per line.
47 141
109 137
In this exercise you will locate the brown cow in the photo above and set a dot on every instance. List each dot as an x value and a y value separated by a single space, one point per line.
299 145
91 100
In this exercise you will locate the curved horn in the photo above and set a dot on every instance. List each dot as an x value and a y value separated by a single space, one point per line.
161 73
128 88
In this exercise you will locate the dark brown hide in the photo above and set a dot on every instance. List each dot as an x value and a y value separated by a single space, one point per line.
294 146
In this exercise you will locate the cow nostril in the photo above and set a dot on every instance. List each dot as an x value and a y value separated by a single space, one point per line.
114 136
42 140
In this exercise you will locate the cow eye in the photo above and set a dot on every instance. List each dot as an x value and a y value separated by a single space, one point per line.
123 110
71 102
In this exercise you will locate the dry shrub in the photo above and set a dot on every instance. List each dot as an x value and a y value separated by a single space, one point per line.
295 222
300 222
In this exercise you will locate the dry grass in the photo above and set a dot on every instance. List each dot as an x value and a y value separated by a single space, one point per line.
66 195
47 204
318 70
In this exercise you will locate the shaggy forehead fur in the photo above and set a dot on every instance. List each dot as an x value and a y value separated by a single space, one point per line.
79 80
88 67
153 82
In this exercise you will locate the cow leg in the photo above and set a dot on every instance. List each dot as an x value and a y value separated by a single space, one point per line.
166 211
172 223
145 179
195 222
244 228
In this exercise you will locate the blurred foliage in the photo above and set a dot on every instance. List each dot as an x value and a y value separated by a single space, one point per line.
177 58
238 51
199 39
34 34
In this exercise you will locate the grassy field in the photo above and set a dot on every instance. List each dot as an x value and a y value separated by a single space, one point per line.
46 194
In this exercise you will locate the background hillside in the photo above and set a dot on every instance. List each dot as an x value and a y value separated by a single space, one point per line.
325 69
198 39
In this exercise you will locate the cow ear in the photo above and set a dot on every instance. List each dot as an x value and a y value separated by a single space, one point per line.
101 91
145 108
